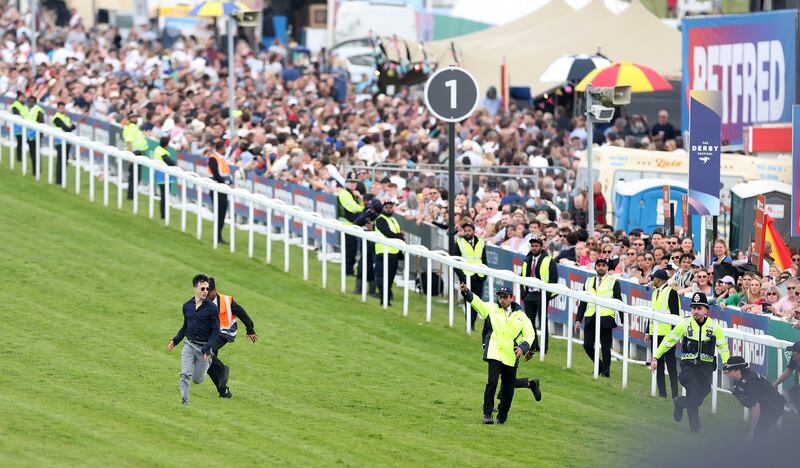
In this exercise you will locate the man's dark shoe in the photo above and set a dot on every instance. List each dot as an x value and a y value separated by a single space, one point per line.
678 412
533 384
227 394
501 420
223 381
487 419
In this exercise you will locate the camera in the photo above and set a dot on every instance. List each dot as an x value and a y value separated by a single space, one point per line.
601 114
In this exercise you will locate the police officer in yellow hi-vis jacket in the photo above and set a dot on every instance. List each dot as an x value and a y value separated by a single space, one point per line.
602 285
700 336
136 142
664 300
473 250
387 226
349 206
19 108
35 114
161 154
64 123
510 336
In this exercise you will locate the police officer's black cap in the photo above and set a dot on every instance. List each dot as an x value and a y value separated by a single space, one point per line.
699 299
537 240
505 291
467 224
351 181
388 202
795 348
735 363
602 260
660 274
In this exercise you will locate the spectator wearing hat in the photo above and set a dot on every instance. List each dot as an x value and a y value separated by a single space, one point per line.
725 290
793 369
387 226
349 206
702 337
664 300
473 250
605 286
754 392
509 336
538 264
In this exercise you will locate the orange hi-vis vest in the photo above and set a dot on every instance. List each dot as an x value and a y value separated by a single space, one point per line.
222 165
227 319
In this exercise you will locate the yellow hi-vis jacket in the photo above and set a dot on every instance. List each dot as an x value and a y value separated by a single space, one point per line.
698 340
508 331
471 255
660 303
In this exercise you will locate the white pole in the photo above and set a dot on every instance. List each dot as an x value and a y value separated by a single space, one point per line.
364 253
286 242
199 205
51 147
166 199
428 298
38 157
779 353
543 326
330 24
232 223
406 260
305 250
269 236
64 165
34 36
231 79
24 151
13 145
343 249
589 158
468 318
450 296
654 348
324 232
570 325
251 214
216 222
105 178
626 339
516 291
183 205
151 188
134 182
91 175
491 287
119 178
385 279
77 169
596 341
714 390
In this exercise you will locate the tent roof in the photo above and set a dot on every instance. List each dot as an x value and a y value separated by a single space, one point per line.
532 42
635 187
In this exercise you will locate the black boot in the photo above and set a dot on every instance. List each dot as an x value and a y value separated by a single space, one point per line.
357 290
372 289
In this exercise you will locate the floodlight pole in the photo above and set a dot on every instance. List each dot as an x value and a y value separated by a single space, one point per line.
231 81
590 155
33 39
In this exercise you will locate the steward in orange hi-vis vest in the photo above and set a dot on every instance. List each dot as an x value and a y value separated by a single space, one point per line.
230 313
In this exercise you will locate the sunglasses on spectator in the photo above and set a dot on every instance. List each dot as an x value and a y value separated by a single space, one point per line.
702 276
772 293
796 259
649 259
204 289
607 251
791 288
675 257
638 243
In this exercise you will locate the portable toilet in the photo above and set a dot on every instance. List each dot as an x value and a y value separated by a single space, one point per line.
744 197
639 204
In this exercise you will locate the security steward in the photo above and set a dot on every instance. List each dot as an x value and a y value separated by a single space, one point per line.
388 227
366 220
136 142
510 336
19 108
35 114
538 265
473 250
756 393
349 206
161 154
792 368
700 335
664 300
602 285
64 123
220 171
230 312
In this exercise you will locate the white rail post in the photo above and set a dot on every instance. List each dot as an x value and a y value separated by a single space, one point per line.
77 169
385 279
198 190
450 296
251 214
215 195
543 325
654 348
64 158
232 223
120 177
343 250
268 258
714 384
166 199
570 327
468 318
428 282
134 182
38 156
183 205
305 250
596 341
286 238
779 352
13 156
105 178
406 260
324 233
25 151
151 189
364 256
626 339
50 161
91 175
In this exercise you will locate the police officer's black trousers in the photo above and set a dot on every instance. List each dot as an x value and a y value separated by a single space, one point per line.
667 359
370 253
508 377
32 153
476 286
217 368
606 329
696 379
222 213
20 142
533 309
131 185
162 204
766 422
391 270
60 161
350 251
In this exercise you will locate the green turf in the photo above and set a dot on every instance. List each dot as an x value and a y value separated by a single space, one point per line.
93 295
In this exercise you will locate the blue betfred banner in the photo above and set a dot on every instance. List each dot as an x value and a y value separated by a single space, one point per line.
751 59
795 170
704 153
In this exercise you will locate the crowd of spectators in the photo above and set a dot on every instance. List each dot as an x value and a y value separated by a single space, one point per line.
299 121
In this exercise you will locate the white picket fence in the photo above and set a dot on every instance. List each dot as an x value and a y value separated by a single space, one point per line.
46 134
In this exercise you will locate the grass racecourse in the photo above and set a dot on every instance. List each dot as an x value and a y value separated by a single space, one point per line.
93 294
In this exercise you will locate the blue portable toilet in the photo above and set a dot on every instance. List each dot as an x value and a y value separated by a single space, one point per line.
639 204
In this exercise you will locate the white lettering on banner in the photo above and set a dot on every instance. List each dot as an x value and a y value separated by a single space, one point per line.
86 130
327 210
492 258
101 135
751 77
751 352
705 148
304 202
560 302
638 324
263 189
284 196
